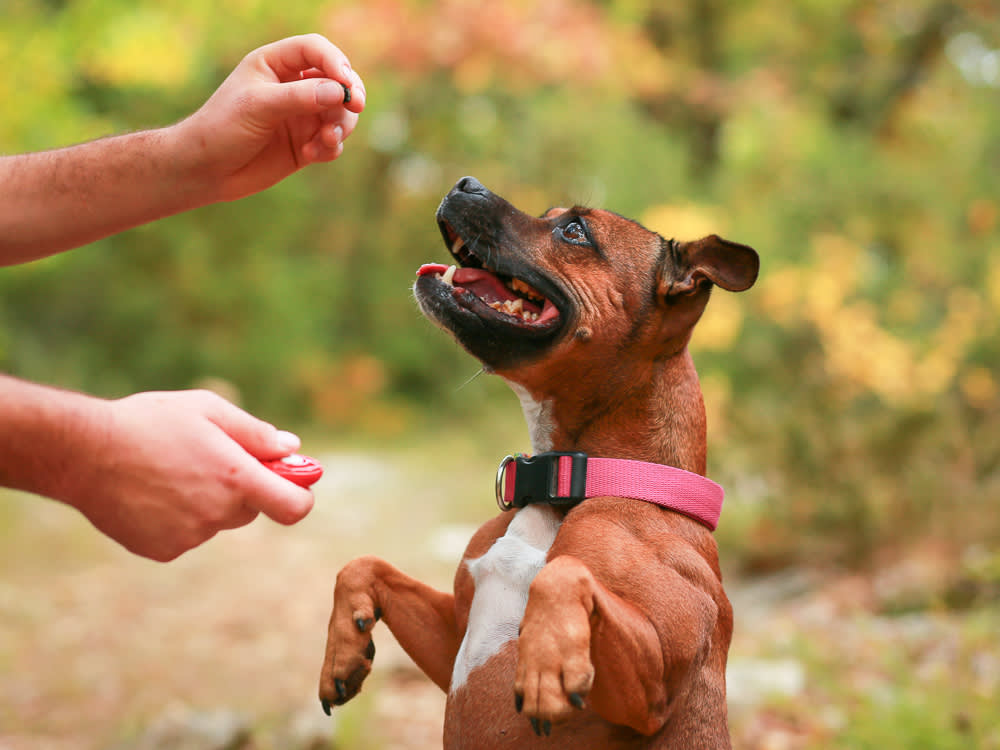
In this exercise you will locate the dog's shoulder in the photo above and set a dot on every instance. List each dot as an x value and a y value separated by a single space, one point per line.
607 531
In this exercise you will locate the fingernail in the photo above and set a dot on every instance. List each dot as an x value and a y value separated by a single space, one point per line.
288 441
330 94
338 132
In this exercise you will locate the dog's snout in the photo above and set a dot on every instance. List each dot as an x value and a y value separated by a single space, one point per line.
471 185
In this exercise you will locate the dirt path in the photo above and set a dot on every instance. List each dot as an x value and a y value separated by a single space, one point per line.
96 644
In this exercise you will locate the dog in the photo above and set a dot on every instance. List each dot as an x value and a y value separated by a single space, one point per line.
590 612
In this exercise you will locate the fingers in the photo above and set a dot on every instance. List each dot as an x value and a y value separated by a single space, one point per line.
326 146
289 57
351 97
275 497
317 97
238 518
310 56
358 94
259 438
328 141
263 491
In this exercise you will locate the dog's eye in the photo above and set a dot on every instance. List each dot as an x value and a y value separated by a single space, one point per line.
575 233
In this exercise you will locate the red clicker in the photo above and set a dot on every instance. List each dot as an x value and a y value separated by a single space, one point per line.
301 470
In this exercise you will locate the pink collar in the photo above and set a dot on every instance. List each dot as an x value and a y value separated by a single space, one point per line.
567 478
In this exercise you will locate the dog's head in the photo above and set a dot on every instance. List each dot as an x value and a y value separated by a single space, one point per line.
573 283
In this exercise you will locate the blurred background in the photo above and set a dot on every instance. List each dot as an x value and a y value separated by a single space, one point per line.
852 393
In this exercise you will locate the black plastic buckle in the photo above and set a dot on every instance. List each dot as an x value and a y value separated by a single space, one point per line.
537 479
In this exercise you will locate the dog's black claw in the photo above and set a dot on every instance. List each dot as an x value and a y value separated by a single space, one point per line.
576 699
518 702
341 687
326 706
546 727
370 651
362 623
536 725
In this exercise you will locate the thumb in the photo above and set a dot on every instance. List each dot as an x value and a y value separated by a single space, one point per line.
258 438
308 96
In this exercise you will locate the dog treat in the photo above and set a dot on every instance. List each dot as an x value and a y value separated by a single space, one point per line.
347 93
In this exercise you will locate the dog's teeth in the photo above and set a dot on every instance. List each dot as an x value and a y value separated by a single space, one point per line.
515 308
524 288
457 245
449 276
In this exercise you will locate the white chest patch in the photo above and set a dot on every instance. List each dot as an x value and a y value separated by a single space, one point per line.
502 578
538 415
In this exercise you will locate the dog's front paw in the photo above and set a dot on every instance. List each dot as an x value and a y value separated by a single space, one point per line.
554 669
349 646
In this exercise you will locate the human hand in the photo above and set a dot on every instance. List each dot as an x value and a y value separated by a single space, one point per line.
175 468
281 109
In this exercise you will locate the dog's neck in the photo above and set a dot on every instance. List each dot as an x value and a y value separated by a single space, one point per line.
656 416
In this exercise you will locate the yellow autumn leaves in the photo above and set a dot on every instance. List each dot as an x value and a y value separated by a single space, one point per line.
867 347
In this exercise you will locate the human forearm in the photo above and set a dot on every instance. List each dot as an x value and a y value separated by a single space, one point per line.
283 107
56 200
48 436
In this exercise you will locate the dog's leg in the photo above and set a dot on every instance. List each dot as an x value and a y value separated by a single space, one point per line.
627 658
421 618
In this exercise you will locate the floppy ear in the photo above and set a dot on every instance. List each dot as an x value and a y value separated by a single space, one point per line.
687 265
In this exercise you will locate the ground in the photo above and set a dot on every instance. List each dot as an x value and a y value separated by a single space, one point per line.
98 646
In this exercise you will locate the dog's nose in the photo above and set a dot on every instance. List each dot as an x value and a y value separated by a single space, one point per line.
471 185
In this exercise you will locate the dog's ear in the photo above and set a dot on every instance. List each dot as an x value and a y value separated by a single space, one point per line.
688 265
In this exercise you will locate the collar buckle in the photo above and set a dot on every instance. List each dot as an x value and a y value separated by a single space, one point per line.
536 480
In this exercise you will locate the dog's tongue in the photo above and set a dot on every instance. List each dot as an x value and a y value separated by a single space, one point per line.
429 268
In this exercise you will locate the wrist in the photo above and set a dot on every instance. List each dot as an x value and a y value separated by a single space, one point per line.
52 441
187 160
83 451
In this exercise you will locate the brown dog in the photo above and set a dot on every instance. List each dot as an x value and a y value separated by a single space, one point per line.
594 624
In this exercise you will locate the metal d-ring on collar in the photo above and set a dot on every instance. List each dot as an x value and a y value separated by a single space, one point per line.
501 475
536 480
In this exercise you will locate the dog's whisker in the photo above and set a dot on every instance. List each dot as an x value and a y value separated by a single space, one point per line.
480 371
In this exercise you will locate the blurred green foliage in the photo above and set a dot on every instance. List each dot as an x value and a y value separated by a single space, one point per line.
853 394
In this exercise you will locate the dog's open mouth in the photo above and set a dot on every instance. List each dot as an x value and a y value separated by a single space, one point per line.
512 297
491 292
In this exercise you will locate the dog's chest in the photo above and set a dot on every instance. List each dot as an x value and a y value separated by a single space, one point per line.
502 577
